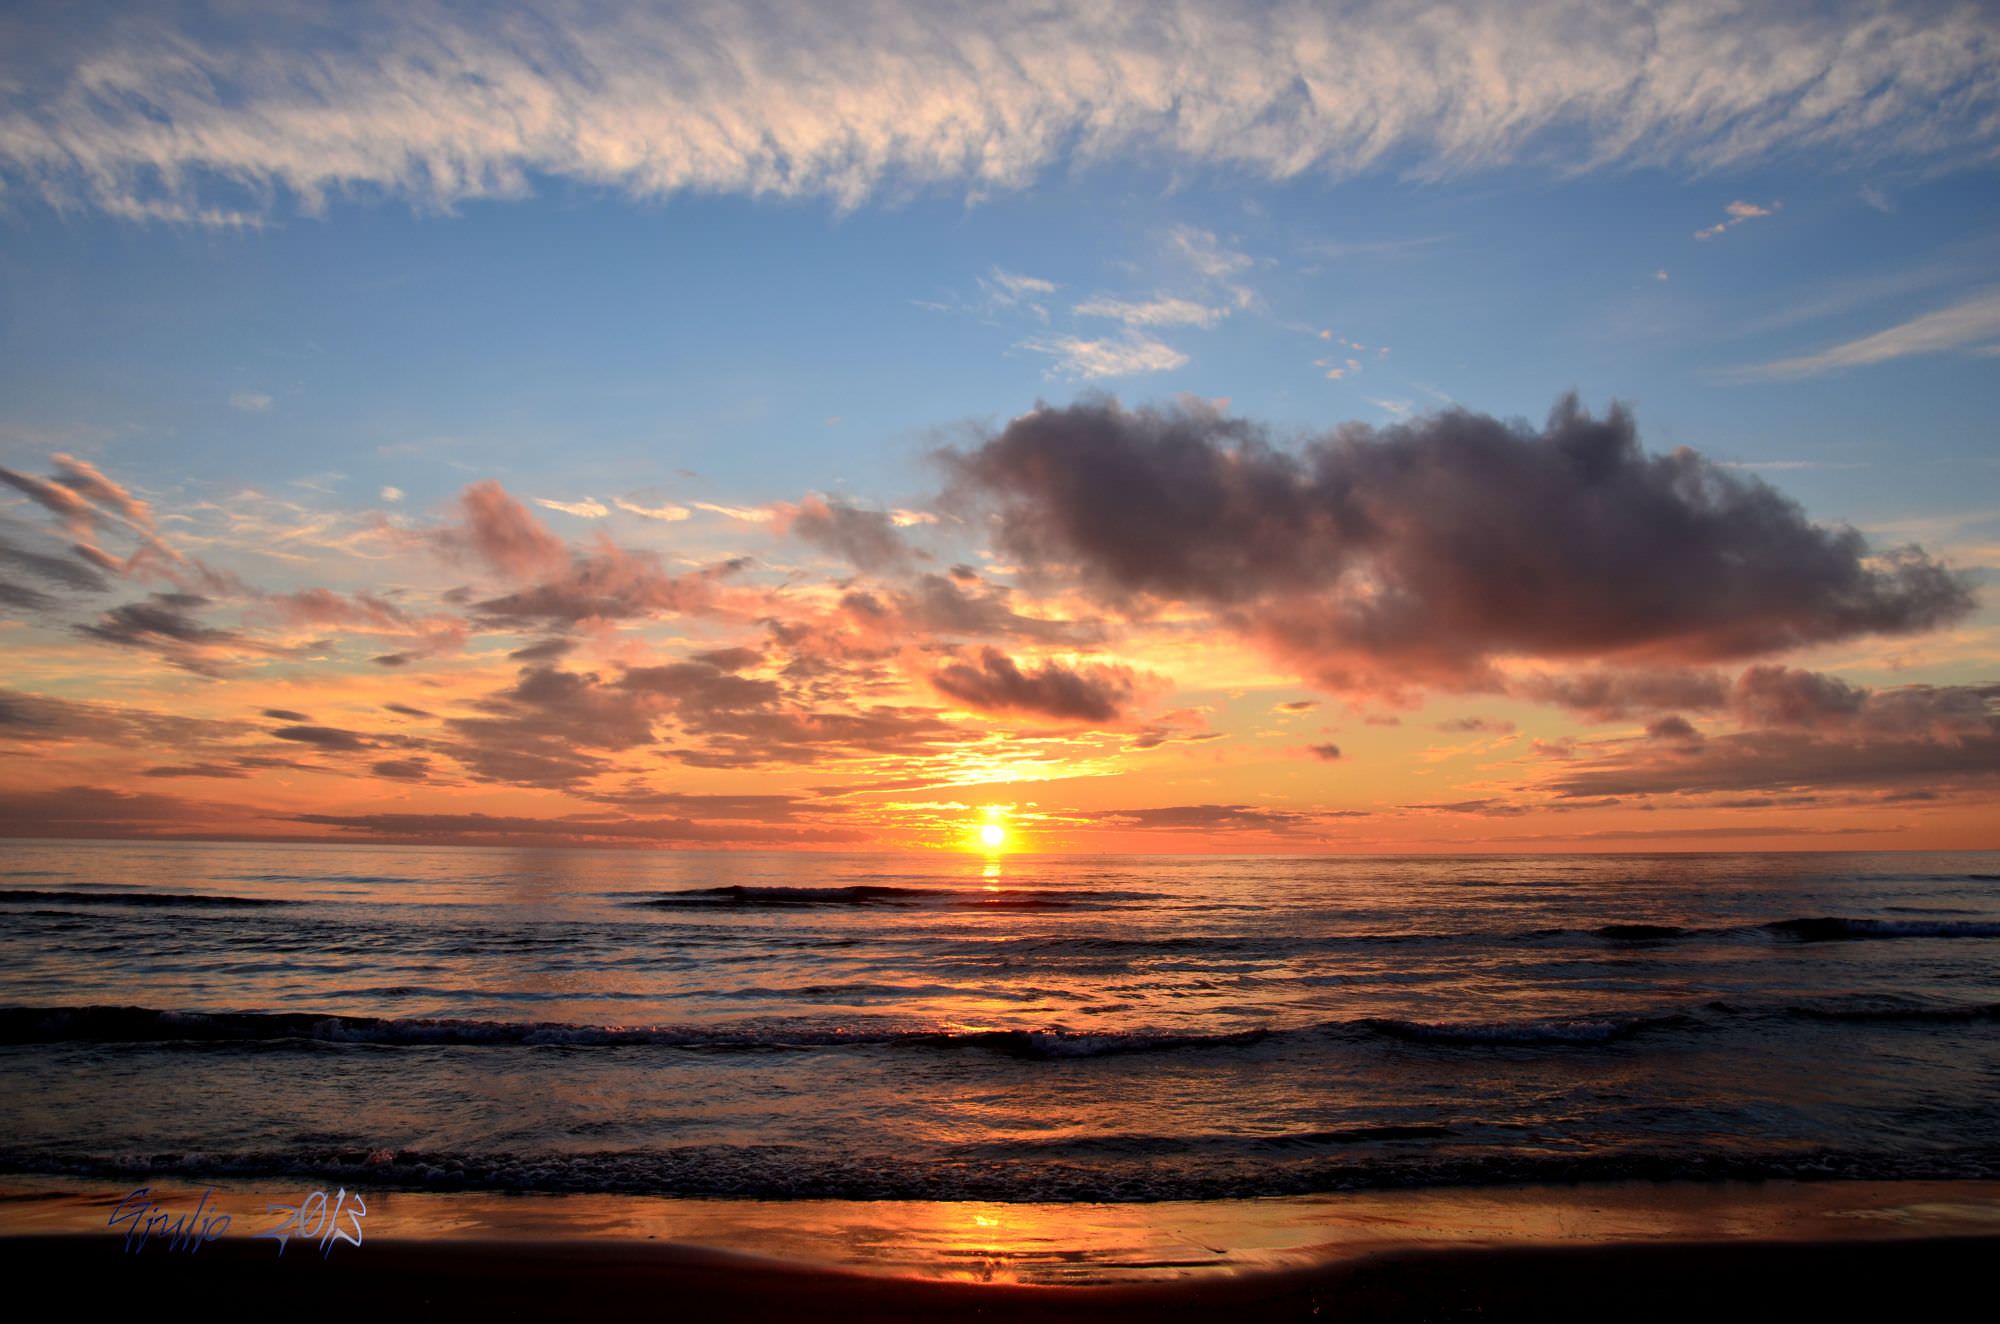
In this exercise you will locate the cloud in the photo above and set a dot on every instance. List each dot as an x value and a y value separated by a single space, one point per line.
1735 214
1005 289
867 538
940 607
576 828
57 570
609 584
1964 324
324 737
498 530
90 811
994 682
1125 356
1425 553
1207 818
1153 312
1610 695
668 514
745 514
1206 254
1328 753
35 719
210 116
165 623
250 403
392 495
588 508
72 509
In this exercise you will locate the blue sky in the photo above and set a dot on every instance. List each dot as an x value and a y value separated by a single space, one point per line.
298 282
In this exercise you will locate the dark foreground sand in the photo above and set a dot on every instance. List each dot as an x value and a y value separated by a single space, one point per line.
1633 1251
1705 1282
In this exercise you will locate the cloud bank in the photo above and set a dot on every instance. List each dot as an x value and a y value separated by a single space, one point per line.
213 114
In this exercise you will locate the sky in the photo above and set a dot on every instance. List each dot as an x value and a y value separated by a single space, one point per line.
1224 427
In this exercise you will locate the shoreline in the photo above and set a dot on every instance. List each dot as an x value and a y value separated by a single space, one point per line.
1716 1281
1094 1247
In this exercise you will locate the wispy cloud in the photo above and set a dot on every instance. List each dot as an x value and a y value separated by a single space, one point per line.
1124 356
1958 326
588 508
666 514
1153 312
209 114
1735 214
250 402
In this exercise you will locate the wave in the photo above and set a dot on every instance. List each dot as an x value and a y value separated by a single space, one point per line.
144 1025
24 896
1572 1030
104 1024
1102 1172
877 894
1834 928
1892 1010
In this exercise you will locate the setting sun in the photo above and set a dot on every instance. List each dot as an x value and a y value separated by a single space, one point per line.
992 836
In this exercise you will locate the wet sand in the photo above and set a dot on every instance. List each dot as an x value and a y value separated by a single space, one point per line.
1634 1251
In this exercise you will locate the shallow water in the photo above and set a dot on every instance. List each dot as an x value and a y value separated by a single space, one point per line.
1099 1029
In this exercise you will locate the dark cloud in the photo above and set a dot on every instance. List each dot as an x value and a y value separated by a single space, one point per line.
223 771
1786 696
166 624
868 539
324 737
1421 553
1467 724
285 715
1327 752
547 650
499 829
607 585
994 682
1488 807
1674 727
1298 706
729 659
1920 737
394 659
58 570
74 512
941 607
1611 695
91 811
25 598
1220 817
410 769
37 719
406 710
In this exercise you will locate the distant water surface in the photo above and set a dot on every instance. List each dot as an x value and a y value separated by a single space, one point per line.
1106 1029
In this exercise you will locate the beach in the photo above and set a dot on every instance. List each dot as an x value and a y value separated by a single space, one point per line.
1631 1251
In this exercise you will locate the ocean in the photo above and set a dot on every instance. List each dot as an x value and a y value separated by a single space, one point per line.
781 1026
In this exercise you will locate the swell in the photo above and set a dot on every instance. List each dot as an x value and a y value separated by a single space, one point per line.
143 1025
25 896
1104 1173
1836 928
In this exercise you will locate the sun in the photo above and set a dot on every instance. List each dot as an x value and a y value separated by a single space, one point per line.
992 836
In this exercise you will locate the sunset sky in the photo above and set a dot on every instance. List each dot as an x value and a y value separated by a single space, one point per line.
1207 427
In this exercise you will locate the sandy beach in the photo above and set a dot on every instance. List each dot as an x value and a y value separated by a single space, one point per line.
1632 1251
